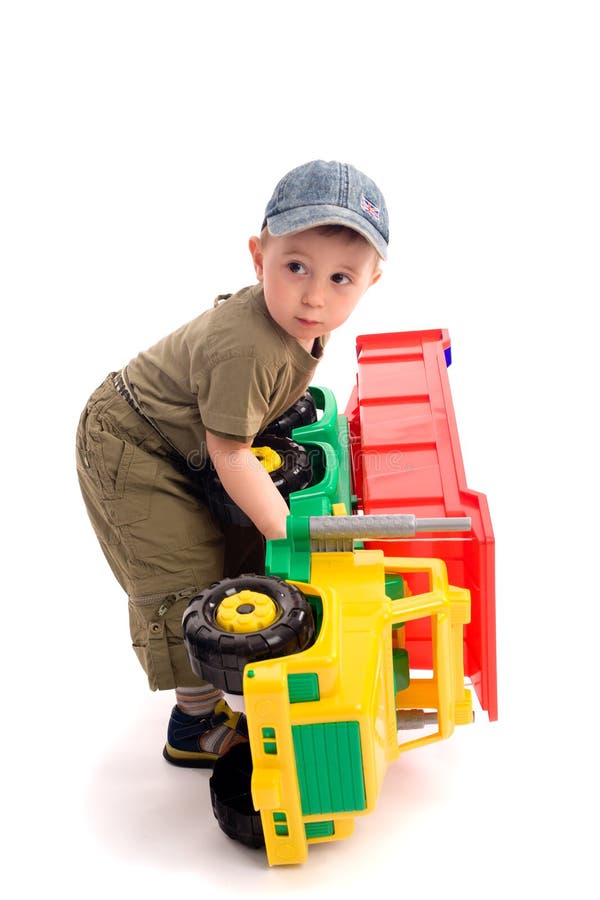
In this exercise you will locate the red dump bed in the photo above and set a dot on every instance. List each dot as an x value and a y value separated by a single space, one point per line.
406 458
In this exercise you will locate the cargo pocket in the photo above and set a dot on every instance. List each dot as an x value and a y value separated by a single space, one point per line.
156 633
127 475
90 482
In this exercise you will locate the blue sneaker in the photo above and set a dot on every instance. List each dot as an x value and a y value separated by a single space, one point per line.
198 741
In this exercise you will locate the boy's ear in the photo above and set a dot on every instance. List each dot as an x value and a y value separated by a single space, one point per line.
256 253
376 276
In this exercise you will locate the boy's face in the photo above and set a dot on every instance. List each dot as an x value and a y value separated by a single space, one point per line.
312 282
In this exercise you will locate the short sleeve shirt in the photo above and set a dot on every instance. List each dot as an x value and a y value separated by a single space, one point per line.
231 371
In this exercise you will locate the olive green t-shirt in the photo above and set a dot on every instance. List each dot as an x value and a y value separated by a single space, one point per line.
231 370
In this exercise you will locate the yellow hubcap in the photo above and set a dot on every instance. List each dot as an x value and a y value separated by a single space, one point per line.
246 611
269 458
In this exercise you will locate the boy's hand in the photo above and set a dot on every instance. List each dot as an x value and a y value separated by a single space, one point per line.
249 485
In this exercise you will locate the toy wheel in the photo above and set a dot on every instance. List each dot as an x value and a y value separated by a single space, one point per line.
302 412
231 797
294 472
243 620
286 462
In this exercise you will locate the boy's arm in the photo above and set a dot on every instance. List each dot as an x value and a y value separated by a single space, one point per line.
249 485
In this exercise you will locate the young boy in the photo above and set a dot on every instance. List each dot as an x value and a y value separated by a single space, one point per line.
207 390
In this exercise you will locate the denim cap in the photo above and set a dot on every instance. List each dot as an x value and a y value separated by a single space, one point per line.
329 193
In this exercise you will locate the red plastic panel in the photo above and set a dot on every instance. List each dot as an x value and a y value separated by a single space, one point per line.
406 457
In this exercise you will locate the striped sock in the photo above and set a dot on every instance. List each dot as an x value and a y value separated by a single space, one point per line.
204 701
220 739
198 701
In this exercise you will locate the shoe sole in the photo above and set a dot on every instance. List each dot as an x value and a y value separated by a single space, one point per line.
199 762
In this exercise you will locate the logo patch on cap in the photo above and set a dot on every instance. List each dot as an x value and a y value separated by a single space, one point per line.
369 207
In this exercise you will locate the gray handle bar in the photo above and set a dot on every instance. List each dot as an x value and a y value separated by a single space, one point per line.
382 526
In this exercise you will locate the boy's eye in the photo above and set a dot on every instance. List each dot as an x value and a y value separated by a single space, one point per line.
340 278
297 268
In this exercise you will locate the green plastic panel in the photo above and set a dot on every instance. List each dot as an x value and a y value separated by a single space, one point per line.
327 442
329 766
319 829
401 669
303 687
331 435
394 586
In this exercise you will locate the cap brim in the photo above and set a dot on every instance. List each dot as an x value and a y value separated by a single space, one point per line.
304 217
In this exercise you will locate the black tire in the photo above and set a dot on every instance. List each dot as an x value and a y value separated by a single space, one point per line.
294 474
302 412
231 797
220 655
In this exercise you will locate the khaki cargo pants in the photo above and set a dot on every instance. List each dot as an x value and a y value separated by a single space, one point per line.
155 531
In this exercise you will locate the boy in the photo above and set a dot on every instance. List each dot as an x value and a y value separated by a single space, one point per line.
206 391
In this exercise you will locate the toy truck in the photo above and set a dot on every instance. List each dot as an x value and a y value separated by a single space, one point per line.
373 612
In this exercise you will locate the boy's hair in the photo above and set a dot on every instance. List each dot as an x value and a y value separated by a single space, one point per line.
327 231
331 231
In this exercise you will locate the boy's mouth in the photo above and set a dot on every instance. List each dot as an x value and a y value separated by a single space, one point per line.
307 321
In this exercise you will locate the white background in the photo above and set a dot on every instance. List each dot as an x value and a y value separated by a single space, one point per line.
140 144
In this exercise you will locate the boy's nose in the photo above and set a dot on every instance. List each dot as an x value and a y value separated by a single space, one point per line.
314 297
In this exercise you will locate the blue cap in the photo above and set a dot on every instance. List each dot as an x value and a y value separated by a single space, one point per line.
329 193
